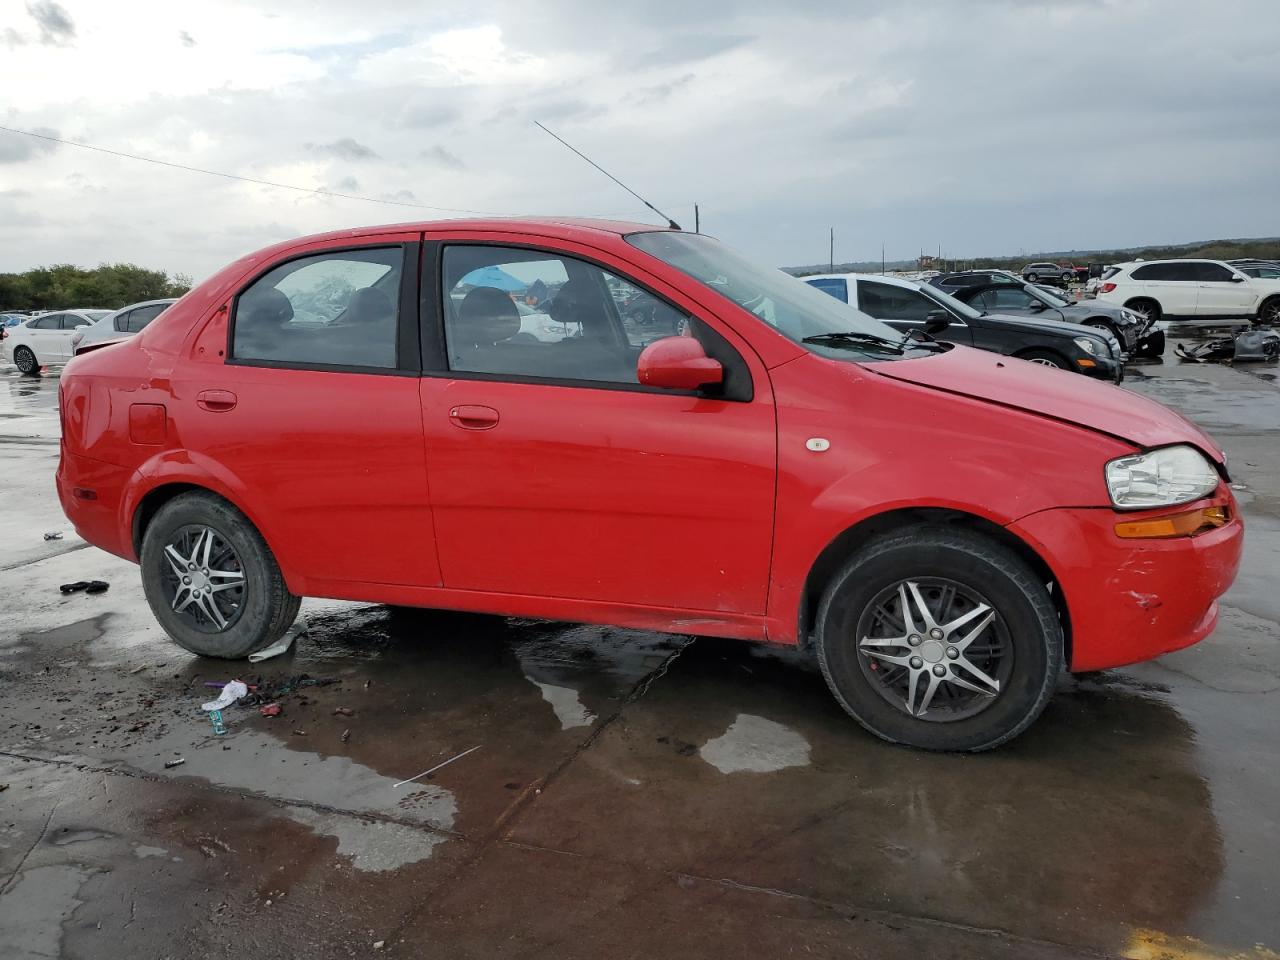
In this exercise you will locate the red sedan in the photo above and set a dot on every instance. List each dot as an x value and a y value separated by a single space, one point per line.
358 415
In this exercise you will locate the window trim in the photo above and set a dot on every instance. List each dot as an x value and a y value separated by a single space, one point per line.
408 362
435 352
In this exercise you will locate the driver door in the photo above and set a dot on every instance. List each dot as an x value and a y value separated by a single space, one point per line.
905 309
553 472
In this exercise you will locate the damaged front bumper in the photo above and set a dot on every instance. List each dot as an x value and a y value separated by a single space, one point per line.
1132 600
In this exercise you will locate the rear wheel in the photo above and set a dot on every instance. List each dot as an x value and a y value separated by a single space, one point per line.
940 639
1269 312
1046 358
1032 277
211 580
25 360
1144 308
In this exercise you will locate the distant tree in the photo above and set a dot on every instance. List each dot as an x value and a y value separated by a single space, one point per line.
64 285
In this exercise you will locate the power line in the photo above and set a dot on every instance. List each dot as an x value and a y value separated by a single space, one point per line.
236 176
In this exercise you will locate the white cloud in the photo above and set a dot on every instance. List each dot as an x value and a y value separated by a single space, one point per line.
990 126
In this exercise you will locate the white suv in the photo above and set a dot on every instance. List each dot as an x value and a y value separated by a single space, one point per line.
1190 290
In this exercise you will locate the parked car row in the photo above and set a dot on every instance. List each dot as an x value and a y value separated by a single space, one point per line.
55 337
1051 341
1197 290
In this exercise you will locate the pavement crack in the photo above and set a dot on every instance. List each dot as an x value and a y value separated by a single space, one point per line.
72 548
8 884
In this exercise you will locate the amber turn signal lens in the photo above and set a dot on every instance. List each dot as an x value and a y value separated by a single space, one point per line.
1178 525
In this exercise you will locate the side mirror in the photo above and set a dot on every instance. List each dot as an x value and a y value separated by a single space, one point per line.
678 363
935 321
1035 306
1236 278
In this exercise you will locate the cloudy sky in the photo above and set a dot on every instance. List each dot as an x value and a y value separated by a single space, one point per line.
983 126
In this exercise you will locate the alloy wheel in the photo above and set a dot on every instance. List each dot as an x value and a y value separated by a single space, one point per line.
935 649
1044 362
1271 313
205 582
24 360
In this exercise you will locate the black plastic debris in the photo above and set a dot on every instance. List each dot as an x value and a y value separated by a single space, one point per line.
88 586
53 535
1254 346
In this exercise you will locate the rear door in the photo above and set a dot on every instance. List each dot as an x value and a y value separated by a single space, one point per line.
554 473
314 415
43 336
1174 285
1220 295
906 310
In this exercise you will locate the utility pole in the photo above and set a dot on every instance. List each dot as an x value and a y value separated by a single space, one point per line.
697 222
882 258
831 265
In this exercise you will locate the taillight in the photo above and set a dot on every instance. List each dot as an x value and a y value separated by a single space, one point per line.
1106 288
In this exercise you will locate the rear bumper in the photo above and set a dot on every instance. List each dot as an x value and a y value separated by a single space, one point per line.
1132 600
91 493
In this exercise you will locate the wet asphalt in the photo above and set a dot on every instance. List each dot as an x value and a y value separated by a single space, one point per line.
630 794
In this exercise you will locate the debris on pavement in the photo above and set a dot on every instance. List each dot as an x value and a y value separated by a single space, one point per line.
53 535
170 764
343 712
231 692
299 733
298 629
439 765
271 710
215 717
346 735
1254 345
88 586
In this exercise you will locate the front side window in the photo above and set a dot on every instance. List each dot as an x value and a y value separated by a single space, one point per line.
1212 273
886 302
1011 298
331 309
530 313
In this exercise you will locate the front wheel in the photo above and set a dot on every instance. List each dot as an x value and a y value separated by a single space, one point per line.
1032 277
211 580
25 360
940 639
1046 358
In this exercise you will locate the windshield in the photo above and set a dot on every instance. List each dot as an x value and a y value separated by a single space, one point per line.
790 306
942 298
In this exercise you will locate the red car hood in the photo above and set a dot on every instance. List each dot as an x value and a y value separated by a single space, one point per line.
1069 397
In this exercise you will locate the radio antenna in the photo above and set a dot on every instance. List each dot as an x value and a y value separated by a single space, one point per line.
671 223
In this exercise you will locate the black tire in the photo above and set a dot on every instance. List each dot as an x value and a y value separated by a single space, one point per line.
1046 358
1145 307
25 360
1269 312
266 609
1067 278
1032 277
1026 615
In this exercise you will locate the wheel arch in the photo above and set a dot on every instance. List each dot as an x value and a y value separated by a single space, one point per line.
169 479
836 553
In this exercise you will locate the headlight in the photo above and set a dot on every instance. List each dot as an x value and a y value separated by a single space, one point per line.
1090 345
1160 478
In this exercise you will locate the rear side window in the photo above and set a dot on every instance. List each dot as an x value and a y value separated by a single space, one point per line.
51 321
1108 273
837 288
1184 272
332 309
138 319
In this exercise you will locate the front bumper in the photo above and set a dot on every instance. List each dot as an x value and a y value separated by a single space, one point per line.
1104 368
1132 600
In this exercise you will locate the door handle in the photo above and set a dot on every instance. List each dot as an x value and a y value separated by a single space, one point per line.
216 401
474 417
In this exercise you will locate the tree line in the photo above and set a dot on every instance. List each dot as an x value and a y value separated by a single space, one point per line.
107 286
